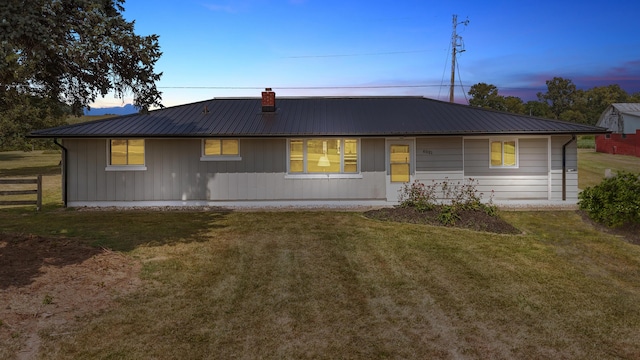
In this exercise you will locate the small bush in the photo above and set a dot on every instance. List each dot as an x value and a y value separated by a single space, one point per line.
448 215
418 196
455 198
613 202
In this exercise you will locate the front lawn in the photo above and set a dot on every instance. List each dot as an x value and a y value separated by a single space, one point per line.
309 284
336 284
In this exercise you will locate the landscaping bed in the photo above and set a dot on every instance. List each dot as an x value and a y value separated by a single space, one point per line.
477 220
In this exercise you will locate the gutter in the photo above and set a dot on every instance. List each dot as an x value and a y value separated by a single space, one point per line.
64 171
564 167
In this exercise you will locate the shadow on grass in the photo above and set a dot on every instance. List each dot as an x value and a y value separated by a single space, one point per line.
23 256
127 230
31 240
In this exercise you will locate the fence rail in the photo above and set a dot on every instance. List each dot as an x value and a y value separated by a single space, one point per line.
8 193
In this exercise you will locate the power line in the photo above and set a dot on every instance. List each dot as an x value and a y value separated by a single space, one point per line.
460 80
441 85
356 54
297 87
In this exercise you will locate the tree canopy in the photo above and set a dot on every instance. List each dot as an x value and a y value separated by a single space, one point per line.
562 100
59 56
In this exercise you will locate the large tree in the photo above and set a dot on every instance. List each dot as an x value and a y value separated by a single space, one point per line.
560 95
561 101
485 96
595 100
57 54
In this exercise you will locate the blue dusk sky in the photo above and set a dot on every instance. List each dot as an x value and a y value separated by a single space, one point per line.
236 48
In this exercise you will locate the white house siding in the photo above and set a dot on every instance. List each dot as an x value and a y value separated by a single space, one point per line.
457 160
529 181
439 154
556 168
176 173
439 159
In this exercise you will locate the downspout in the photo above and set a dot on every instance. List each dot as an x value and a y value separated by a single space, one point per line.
64 171
564 167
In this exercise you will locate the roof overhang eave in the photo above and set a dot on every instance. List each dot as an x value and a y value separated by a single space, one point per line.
283 135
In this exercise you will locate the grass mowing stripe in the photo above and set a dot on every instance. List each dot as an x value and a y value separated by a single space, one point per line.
326 284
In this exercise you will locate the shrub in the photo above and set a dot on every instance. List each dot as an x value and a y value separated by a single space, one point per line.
418 196
448 215
613 202
455 198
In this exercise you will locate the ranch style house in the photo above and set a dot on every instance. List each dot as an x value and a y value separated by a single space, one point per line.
311 151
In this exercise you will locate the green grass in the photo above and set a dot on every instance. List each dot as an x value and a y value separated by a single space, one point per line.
592 166
30 163
335 284
587 142
20 164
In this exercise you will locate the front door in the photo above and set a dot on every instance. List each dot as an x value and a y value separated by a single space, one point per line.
399 166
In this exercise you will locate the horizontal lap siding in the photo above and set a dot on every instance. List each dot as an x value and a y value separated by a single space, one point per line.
513 187
556 153
556 185
175 173
439 154
529 181
532 158
557 142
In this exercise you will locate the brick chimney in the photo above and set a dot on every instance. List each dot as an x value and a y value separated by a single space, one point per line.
268 100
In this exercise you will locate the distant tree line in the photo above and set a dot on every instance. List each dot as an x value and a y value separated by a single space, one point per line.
562 101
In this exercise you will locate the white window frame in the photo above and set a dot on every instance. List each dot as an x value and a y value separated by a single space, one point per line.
136 167
340 175
517 153
204 157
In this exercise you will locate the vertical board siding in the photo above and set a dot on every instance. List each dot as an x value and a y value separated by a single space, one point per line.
372 155
439 154
176 173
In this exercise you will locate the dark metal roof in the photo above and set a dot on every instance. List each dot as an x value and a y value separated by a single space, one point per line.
317 116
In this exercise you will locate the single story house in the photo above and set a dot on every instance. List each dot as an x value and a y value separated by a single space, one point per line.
313 151
623 120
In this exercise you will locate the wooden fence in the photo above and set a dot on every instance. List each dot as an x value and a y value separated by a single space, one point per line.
22 191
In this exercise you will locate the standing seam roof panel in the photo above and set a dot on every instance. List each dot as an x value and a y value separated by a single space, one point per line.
305 117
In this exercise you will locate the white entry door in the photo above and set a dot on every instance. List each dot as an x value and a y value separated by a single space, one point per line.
400 166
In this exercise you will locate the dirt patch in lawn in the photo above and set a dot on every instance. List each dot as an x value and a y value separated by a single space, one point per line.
469 219
50 284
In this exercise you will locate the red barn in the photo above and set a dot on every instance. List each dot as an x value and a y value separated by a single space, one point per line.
623 120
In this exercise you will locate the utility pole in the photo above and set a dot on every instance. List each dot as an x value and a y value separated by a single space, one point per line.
454 50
